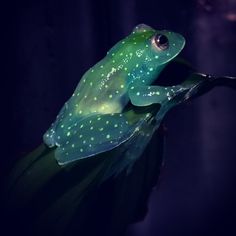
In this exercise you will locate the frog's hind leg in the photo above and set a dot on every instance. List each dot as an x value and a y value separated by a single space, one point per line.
93 135
50 136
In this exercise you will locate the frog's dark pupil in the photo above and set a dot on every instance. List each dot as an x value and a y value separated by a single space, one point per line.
162 41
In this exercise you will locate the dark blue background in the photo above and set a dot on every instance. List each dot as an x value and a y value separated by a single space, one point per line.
48 45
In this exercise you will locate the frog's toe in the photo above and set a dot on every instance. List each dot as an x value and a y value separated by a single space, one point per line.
49 137
93 135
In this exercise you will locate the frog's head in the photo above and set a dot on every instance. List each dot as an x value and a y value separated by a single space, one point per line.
146 51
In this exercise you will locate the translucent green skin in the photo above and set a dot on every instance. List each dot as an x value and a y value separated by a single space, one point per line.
91 121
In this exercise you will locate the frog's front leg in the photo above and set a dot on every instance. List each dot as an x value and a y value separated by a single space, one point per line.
143 95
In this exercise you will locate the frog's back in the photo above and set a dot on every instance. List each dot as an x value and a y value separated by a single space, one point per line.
101 90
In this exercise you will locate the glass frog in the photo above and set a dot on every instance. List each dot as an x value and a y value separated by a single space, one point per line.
92 121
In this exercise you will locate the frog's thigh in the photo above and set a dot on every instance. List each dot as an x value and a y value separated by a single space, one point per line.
94 134
147 95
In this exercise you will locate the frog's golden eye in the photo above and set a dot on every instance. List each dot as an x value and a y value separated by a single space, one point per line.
161 41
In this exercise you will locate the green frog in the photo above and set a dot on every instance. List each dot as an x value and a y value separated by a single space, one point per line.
92 121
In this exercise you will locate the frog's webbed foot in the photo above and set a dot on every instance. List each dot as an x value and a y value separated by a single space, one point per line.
93 135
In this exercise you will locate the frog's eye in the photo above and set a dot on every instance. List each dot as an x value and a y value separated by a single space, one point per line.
161 41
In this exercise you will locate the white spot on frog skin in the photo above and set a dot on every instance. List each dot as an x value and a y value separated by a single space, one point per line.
107 122
81 136
91 83
115 125
122 86
101 129
156 57
62 126
108 136
73 145
99 118
81 126
95 98
80 111
139 52
81 149
132 87
101 66
92 138
91 128
157 93
110 96
84 141
138 93
68 134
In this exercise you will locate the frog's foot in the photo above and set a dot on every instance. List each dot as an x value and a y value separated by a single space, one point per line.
93 135
49 137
